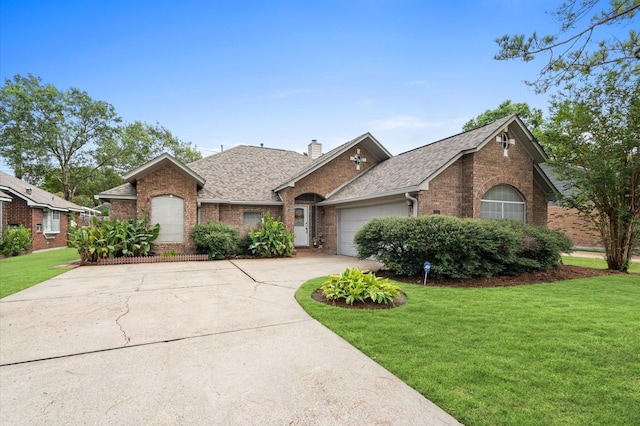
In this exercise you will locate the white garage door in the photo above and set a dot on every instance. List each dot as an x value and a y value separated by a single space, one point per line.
351 219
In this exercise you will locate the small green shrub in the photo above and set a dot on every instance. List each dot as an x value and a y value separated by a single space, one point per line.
244 244
169 253
15 241
354 285
110 239
216 239
271 239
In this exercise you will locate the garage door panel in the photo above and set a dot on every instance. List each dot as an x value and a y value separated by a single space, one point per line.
352 219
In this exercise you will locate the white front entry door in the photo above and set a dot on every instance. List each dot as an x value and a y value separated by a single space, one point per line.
301 225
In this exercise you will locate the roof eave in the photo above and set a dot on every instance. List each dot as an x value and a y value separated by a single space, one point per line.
396 191
239 202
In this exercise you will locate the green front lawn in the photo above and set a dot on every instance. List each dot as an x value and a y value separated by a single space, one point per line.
20 272
585 262
559 353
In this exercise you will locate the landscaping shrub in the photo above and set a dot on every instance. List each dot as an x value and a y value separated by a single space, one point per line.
15 241
460 248
110 239
271 239
354 285
216 239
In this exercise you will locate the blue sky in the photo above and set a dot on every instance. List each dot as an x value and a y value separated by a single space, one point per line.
280 72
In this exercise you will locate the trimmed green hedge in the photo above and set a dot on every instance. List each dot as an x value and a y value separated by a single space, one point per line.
217 239
460 248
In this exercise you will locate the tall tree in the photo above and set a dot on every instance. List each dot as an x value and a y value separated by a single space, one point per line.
62 139
531 117
593 138
43 128
586 41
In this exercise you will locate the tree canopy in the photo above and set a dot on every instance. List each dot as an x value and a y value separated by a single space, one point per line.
64 139
593 138
585 42
531 117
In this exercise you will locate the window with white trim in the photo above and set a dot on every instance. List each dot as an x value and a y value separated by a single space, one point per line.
168 211
503 202
251 219
51 222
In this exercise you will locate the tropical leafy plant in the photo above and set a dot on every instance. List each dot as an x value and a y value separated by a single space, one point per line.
15 241
110 239
271 239
354 285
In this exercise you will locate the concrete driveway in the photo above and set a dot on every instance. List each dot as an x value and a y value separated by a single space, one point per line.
220 343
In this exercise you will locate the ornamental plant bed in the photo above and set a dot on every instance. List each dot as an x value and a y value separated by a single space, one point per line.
319 296
563 272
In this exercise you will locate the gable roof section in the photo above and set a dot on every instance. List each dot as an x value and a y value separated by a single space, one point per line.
413 170
368 142
126 191
160 161
36 197
247 174
5 197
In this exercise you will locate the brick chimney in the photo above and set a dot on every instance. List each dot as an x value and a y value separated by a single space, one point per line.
315 149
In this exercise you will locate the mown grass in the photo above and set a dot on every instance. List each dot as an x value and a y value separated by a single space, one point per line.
558 353
20 272
585 262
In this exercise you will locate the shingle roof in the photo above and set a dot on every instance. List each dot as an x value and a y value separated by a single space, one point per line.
38 197
247 173
124 191
411 169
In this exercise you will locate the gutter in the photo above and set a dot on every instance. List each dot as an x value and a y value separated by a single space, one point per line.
414 201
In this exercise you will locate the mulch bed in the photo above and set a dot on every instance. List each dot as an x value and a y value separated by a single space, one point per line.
564 272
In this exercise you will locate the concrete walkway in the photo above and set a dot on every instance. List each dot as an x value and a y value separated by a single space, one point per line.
221 343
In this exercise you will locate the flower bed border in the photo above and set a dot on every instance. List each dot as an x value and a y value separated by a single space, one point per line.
152 259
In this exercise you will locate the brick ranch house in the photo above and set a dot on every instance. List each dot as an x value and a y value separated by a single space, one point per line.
489 172
45 214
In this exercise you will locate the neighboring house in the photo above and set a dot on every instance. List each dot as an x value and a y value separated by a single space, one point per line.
583 233
46 215
489 172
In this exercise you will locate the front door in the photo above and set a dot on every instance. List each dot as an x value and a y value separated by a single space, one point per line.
301 225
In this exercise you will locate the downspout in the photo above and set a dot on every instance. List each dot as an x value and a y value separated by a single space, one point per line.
415 203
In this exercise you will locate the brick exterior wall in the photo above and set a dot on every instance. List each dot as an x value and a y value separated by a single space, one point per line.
16 212
209 213
123 209
581 232
168 180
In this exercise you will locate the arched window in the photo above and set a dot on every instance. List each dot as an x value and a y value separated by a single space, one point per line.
168 211
503 202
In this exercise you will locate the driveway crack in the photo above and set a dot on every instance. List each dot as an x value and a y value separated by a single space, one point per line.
124 333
